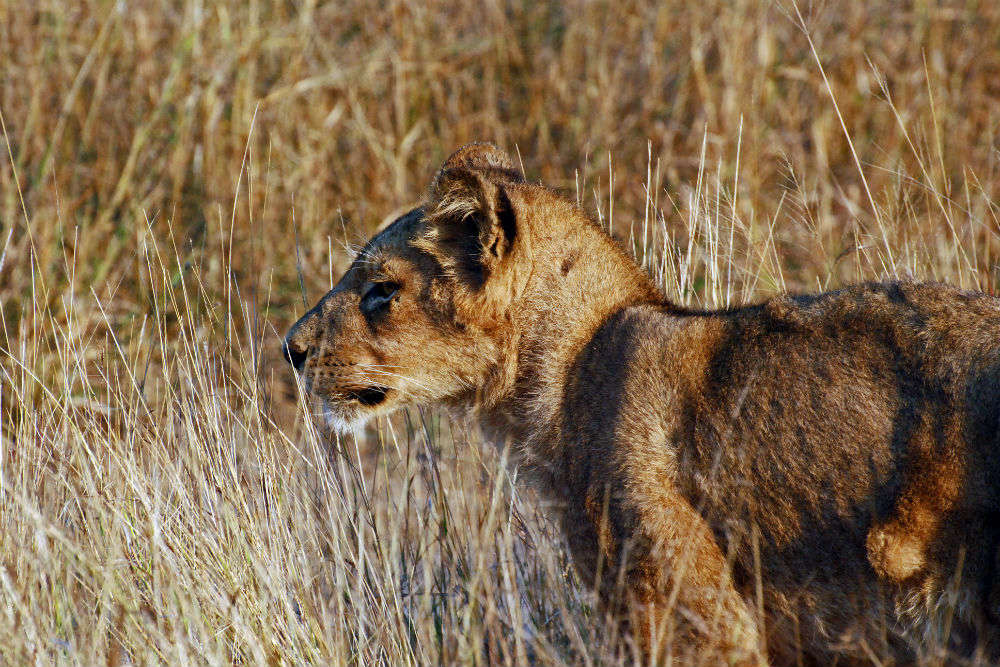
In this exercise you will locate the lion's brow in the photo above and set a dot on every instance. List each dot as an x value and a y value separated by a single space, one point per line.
400 228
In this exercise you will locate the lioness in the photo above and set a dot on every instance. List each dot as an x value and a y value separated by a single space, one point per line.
802 480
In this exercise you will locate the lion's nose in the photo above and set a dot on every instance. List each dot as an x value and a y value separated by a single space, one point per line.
296 355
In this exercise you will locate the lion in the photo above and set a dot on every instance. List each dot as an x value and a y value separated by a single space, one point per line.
807 480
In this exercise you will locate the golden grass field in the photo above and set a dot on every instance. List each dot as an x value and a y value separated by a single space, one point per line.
178 180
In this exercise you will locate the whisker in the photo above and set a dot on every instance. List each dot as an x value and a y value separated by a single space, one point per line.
418 383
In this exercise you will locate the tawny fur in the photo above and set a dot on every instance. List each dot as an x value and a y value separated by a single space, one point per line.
831 460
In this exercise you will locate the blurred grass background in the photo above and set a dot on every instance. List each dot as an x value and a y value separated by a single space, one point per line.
179 180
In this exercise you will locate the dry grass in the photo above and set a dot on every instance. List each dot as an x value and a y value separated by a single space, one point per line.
168 167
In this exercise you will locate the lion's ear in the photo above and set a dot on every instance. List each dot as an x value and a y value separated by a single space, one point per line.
483 157
471 223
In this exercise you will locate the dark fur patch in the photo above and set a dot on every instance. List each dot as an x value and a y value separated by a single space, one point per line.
568 262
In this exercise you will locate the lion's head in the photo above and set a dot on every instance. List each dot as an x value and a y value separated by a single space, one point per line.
420 314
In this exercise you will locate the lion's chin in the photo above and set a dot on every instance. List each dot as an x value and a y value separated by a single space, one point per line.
350 413
345 418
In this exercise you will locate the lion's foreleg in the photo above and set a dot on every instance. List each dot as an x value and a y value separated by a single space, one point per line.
656 565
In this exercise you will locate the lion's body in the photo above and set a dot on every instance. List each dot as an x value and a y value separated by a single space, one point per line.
792 428
831 461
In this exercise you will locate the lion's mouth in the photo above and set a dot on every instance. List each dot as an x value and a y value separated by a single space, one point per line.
369 396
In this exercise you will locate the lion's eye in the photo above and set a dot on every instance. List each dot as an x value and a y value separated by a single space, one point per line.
378 297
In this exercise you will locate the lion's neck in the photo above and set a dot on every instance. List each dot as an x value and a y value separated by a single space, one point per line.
576 285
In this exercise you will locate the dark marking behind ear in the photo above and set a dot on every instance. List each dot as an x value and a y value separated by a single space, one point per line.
568 262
